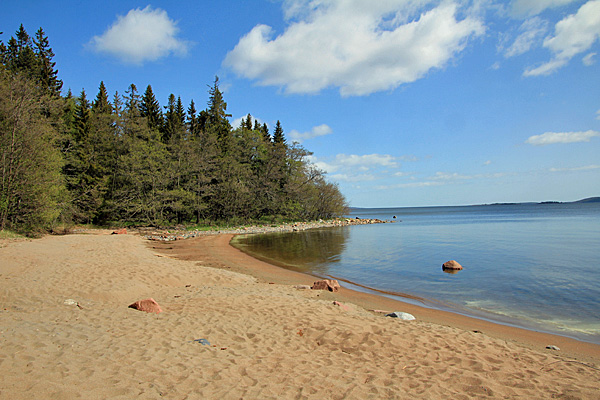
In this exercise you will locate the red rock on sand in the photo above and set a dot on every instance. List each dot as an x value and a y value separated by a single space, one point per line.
326 284
120 232
148 305
453 265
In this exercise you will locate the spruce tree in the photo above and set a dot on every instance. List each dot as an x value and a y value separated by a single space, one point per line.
192 120
247 123
101 104
278 137
217 122
47 72
150 109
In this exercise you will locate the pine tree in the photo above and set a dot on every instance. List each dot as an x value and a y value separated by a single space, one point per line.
278 137
265 131
247 124
132 101
47 73
180 111
101 104
20 55
192 120
217 122
83 117
171 124
150 109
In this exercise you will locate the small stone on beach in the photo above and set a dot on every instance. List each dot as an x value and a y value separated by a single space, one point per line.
401 315
148 305
326 284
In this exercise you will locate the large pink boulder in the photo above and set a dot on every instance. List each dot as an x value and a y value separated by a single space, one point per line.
452 265
326 284
148 305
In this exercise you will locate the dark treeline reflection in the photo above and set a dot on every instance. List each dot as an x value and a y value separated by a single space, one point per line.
307 251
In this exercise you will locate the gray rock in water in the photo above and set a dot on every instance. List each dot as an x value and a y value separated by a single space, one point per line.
401 315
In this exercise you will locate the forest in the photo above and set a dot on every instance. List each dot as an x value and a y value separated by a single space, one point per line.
125 160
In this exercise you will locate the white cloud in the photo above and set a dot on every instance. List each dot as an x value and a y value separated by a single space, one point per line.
575 169
561 137
410 185
589 59
359 46
445 176
522 8
141 35
574 34
531 32
354 178
320 130
357 168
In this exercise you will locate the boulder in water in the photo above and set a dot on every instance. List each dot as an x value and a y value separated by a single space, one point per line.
452 266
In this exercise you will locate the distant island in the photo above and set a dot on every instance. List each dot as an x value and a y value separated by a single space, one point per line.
586 200
589 200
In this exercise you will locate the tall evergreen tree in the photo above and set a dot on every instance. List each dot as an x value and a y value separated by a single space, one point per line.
247 123
265 131
278 137
47 72
192 120
217 122
150 109
132 100
83 116
101 104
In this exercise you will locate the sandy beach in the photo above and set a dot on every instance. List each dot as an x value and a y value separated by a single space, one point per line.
235 327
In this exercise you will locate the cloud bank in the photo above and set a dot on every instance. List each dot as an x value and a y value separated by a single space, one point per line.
561 137
141 35
359 47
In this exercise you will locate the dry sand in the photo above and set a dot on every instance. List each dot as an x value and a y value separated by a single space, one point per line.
66 332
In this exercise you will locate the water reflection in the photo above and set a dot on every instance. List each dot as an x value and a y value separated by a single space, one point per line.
310 251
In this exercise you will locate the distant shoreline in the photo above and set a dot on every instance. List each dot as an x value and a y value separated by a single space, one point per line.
586 200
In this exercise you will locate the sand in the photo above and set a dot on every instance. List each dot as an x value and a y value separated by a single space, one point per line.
66 332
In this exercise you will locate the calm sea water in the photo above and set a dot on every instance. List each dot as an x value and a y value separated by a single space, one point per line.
531 265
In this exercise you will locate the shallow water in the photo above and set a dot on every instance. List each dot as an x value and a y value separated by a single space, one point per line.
528 265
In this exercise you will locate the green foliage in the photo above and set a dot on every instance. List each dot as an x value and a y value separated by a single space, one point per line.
31 185
68 160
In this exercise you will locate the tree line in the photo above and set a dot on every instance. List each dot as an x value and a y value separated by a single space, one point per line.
126 160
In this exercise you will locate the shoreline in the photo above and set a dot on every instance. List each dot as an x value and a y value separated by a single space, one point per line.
419 301
220 248
235 327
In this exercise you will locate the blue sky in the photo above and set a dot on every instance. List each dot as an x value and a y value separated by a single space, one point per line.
402 102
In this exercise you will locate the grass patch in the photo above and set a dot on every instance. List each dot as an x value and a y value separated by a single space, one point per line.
6 234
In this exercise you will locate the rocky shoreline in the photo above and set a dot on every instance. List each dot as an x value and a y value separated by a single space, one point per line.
180 234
